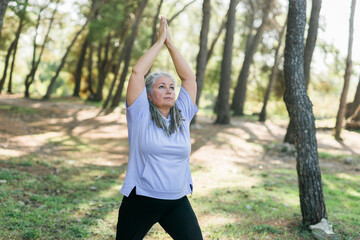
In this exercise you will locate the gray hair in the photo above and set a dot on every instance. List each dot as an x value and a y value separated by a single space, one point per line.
151 79
175 113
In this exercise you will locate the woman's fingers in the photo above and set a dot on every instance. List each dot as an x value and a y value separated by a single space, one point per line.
162 30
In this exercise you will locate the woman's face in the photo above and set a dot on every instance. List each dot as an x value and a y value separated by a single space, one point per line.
163 93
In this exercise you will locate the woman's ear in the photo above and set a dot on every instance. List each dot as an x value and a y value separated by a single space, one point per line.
149 96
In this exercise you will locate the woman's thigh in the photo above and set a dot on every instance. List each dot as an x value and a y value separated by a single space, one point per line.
135 219
181 222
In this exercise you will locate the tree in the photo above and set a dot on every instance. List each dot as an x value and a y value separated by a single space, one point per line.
117 67
274 71
155 21
202 55
222 103
240 90
213 42
356 102
341 112
299 108
7 58
62 63
35 63
127 54
311 38
3 6
105 31
20 11
308 53
79 67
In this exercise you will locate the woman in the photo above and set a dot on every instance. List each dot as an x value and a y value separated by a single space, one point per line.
158 176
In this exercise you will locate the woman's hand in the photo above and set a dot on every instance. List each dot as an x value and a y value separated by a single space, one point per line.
162 33
168 36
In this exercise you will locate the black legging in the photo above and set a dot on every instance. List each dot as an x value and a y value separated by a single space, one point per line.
137 214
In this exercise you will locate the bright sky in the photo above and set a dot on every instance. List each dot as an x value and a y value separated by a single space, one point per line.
336 16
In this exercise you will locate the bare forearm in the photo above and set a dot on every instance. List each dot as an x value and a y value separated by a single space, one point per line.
143 65
182 67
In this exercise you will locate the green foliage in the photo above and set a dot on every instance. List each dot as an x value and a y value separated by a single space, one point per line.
109 19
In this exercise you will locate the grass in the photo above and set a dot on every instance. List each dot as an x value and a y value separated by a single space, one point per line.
16 109
66 195
81 202
68 204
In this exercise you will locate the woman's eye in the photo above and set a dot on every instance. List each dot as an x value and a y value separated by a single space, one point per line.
172 88
161 87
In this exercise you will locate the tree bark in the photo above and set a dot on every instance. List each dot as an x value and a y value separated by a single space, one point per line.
311 38
118 65
27 93
35 63
52 81
3 6
127 54
89 78
241 87
308 53
18 32
212 45
222 103
156 19
7 59
102 69
79 67
202 55
299 108
274 71
22 16
341 112
356 102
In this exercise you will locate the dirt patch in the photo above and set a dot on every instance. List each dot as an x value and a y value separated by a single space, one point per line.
73 129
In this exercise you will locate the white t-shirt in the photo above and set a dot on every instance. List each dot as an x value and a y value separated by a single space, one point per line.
158 164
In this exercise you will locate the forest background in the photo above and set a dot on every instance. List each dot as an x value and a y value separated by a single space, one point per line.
84 51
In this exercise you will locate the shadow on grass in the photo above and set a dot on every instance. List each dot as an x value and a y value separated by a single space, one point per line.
59 202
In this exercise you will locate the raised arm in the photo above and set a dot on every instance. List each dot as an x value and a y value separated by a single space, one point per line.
186 74
136 82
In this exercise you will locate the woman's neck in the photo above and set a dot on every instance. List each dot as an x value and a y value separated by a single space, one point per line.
165 113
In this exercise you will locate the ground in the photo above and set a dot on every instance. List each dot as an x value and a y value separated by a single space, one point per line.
239 170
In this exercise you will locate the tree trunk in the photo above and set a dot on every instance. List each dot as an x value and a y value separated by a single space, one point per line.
31 76
127 55
89 78
17 37
240 90
2 81
308 53
102 69
202 55
212 45
356 102
156 19
300 111
222 103
117 68
79 67
311 38
274 71
3 6
52 82
27 93
341 112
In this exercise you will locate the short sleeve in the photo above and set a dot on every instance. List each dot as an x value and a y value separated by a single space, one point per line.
186 105
139 109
